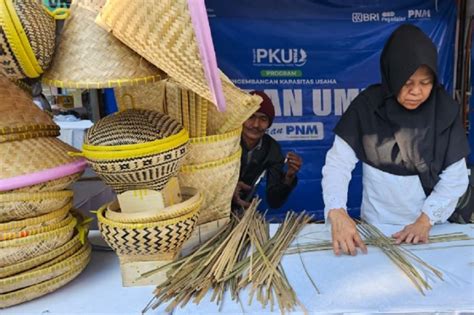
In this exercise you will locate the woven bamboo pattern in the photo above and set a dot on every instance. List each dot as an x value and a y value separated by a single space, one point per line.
40 289
211 148
146 96
15 206
239 107
72 260
33 155
147 239
162 32
217 181
28 38
73 244
20 118
31 226
89 57
49 186
192 200
21 249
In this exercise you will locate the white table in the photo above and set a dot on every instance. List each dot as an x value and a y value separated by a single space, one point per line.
363 284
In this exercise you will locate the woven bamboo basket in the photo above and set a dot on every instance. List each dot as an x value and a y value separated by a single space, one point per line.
20 118
147 241
27 38
89 57
192 199
53 185
57 276
217 181
163 33
240 106
71 259
15 206
149 96
211 148
21 249
136 149
73 244
31 226
42 160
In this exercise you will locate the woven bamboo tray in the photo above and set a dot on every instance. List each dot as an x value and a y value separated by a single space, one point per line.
147 241
217 181
27 38
71 270
192 199
36 225
89 57
73 244
50 186
21 249
211 148
15 206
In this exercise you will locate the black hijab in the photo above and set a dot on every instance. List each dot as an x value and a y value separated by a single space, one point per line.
393 139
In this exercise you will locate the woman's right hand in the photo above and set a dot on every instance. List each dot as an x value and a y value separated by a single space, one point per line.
345 237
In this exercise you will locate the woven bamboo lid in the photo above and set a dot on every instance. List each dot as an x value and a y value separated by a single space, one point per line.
132 126
89 57
162 32
20 118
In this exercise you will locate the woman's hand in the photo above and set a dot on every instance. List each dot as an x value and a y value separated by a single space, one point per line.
417 232
344 233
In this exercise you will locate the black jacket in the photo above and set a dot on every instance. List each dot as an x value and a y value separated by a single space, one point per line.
267 157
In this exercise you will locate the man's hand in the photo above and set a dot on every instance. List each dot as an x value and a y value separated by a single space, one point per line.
417 232
345 237
294 162
241 186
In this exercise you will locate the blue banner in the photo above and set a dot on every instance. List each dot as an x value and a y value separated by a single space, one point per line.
312 58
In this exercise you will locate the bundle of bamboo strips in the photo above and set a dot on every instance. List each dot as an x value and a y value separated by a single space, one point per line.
242 254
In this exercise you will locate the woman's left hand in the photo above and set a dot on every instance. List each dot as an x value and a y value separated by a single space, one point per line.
417 232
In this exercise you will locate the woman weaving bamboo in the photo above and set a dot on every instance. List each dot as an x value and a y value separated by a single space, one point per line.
407 131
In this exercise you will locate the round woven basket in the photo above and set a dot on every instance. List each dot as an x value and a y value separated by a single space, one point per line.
192 200
36 161
48 186
217 181
211 148
146 241
20 118
21 249
136 149
31 226
90 57
27 38
73 244
15 206
43 281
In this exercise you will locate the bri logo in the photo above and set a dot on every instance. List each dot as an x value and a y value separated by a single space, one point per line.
359 17
279 57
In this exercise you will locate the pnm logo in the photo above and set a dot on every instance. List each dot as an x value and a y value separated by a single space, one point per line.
279 57
419 14
359 17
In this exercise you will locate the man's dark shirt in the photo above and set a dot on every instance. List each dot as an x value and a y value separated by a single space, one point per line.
266 156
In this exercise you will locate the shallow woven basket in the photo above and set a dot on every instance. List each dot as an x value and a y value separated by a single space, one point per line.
146 96
147 241
21 249
239 107
27 158
217 181
192 199
15 206
56 276
20 118
89 57
136 149
27 38
31 226
48 186
163 33
73 244
211 148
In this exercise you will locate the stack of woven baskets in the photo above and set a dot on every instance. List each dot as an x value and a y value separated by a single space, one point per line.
41 248
138 152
